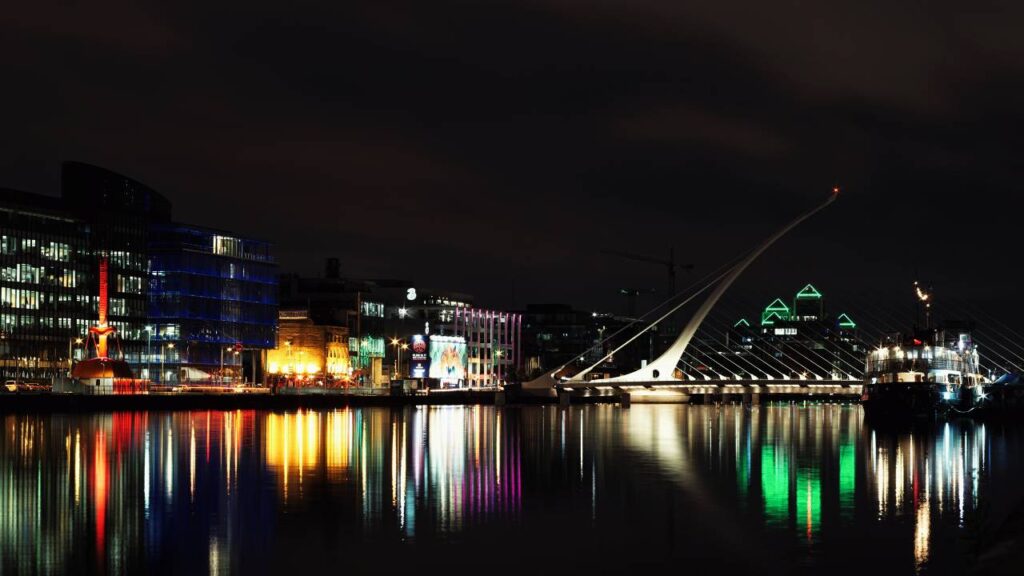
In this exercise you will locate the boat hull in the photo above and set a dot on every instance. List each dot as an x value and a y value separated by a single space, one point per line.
899 399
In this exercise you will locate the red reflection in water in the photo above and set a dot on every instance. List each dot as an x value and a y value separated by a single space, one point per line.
127 430
99 487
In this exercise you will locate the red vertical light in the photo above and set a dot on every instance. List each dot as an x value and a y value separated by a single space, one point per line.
103 292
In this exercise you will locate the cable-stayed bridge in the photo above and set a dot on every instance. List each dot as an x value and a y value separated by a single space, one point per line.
729 360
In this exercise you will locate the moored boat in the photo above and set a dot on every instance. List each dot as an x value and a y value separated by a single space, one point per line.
932 369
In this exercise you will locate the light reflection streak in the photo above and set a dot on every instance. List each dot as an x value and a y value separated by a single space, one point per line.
192 462
454 468
922 533
169 465
99 496
78 469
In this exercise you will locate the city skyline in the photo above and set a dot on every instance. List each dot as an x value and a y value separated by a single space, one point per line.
518 140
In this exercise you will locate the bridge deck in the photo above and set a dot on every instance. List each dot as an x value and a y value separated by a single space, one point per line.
794 387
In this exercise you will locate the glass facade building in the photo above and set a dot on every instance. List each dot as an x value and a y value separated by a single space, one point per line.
178 294
120 213
45 280
211 295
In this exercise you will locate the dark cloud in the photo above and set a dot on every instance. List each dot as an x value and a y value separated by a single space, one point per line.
498 147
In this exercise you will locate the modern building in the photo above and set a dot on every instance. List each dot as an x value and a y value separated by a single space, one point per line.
49 257
46 286
493 344
212 304
795 339
384 316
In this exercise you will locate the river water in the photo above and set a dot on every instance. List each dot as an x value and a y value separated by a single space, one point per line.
514 490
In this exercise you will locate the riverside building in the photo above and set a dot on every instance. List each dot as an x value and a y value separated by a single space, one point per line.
172 287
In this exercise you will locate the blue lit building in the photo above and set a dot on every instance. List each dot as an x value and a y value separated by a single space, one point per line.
212 304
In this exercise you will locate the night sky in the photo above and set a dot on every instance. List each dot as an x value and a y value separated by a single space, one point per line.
497 148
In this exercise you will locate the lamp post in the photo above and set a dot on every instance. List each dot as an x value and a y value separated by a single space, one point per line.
395 342
402 349
77 341
149 351
169 346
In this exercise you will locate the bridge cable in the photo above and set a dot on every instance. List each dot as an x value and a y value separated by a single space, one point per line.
714 276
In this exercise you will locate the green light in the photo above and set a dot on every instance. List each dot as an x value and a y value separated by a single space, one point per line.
808 292
775 485
743 322
769 318
777 308
845 321
847 476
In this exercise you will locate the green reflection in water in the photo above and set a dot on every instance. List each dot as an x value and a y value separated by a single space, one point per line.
847 476
775 484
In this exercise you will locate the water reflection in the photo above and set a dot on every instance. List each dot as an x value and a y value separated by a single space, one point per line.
820 469
245 491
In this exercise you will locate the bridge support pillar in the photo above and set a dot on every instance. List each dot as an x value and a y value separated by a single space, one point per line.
499 398
624 399
563 399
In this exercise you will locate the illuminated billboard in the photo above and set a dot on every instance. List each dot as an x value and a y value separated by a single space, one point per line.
419 360
448 359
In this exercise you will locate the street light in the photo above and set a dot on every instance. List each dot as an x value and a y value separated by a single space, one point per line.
169 346
149 351
404 347
222 364
78 342
395 342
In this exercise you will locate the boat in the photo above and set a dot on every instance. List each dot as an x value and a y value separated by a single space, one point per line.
932 370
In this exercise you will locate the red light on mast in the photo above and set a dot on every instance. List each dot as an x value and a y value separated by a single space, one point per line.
103 292
102 330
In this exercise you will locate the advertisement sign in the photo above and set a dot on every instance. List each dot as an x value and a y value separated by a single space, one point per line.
419 359
448 359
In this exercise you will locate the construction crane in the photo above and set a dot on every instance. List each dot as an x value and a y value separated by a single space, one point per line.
670 264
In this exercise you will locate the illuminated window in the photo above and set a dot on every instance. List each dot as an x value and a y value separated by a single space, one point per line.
227 246
373 309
